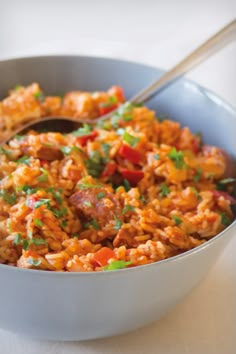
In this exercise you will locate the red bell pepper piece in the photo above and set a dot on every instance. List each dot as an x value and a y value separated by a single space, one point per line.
82 140
130 154
106 109
225 195
118 92
109 169
31 201
102 256
133 176
43 162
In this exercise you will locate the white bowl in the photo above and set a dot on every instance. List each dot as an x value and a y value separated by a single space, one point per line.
78 306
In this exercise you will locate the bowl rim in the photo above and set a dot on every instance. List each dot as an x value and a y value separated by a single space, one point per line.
228 106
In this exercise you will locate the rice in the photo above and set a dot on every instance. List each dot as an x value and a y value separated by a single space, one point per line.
130 191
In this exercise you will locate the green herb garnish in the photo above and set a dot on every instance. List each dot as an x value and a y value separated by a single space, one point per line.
118 223
64 223
17 239
88 204
34 262
25 160
221 185
41 202
164 190
225 219
130 139
143 199
178 158
83 131
101 195
177 219
44 176
198 175
39 96
119 264
95 224
5 152
9 198
85 185
58 213
25 245
156 157
95 164
38 222
38 241
126 185
68 149
128 208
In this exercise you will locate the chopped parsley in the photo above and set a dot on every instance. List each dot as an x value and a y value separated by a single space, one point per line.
177 220
130 139
41 202
164 190
106 148
19 137
5 152
56 194
34 262
38 241
9 198
17 239
119 264
25 160
66 150
198 175
156 157
88 204
85 185
39 96
38 222
225 219
25 245
27 189
128 208
64 224
221 185
58 213
101 195
118 223
143 199
126 185
44 176
95 224
95 164
178 158
83 131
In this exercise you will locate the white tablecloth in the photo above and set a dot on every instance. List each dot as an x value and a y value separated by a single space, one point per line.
157 33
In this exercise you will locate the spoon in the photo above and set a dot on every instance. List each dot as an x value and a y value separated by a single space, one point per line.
203 52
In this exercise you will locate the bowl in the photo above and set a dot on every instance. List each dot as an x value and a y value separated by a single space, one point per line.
79 306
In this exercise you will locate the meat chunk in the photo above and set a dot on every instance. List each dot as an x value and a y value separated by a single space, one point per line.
97 203
49 153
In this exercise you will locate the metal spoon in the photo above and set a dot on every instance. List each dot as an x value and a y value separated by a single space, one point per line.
203 52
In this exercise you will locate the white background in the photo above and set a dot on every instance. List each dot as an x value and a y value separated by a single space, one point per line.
158 33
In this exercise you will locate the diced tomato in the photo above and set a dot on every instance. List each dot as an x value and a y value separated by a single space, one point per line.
106 109
102 256
82 140
118 92
31 201
225 195
109 169
130 154
43 162
133 176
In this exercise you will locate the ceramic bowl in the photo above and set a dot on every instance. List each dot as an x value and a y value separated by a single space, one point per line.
78 306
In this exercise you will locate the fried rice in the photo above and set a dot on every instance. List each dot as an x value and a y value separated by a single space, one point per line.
127 192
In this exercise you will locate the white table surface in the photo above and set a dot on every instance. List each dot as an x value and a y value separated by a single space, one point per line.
157 33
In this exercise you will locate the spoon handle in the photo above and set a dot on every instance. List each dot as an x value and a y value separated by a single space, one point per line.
212 45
